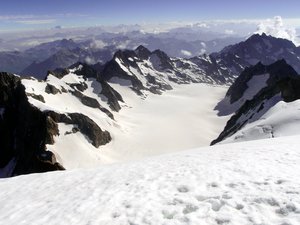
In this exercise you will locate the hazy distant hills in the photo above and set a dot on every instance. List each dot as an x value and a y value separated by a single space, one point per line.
36 61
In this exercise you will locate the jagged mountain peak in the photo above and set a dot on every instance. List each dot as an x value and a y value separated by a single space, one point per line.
251 81
259 42
84 69
142 52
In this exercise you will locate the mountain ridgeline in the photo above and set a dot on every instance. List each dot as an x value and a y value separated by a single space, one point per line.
82 100
256 91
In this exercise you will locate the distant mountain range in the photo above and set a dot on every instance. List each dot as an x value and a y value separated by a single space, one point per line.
36 61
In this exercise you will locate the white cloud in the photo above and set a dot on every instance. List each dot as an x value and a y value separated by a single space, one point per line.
201 52
123 45
36 22
275 27
16 17
186 53
227 31
203 44
97 44
202 25
89 60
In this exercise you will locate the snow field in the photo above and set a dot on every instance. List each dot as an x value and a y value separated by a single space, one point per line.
243 183
179 119
280 120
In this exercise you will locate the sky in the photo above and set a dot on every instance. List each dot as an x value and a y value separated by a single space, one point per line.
30 14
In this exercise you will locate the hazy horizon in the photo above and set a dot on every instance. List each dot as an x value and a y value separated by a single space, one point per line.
44 15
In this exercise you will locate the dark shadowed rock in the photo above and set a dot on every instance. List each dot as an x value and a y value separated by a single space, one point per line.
52 130
91 102
113 97
59 72
84 69
79 86
142 52
50 89
37 97
23 129
85 125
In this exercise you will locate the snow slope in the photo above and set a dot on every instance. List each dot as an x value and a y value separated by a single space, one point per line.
243 183
282 119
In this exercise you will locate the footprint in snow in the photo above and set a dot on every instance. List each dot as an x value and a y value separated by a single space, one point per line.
239 206
213 184
226 196
280 181
216 205
168 214
183 189
189 209
222 221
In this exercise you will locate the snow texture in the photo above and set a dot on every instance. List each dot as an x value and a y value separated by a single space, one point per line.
243 183
282 119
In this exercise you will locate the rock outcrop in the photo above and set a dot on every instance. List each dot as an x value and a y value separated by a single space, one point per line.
85 125
23 131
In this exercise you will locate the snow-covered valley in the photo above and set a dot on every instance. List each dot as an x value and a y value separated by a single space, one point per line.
254 182
158 124
178 119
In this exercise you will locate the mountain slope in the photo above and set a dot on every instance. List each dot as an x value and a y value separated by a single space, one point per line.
64 58
254 93
265 49
245 183
33 112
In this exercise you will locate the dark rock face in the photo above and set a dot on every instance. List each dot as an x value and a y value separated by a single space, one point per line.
59 72
283 80
263 48
37 97
112 69
278 70
85 125
158 86
142 52
52 130
50 89
165 61
81 86
90 129
113 97
23 130
91 102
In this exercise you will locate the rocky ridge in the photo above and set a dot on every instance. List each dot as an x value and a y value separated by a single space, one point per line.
275 82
